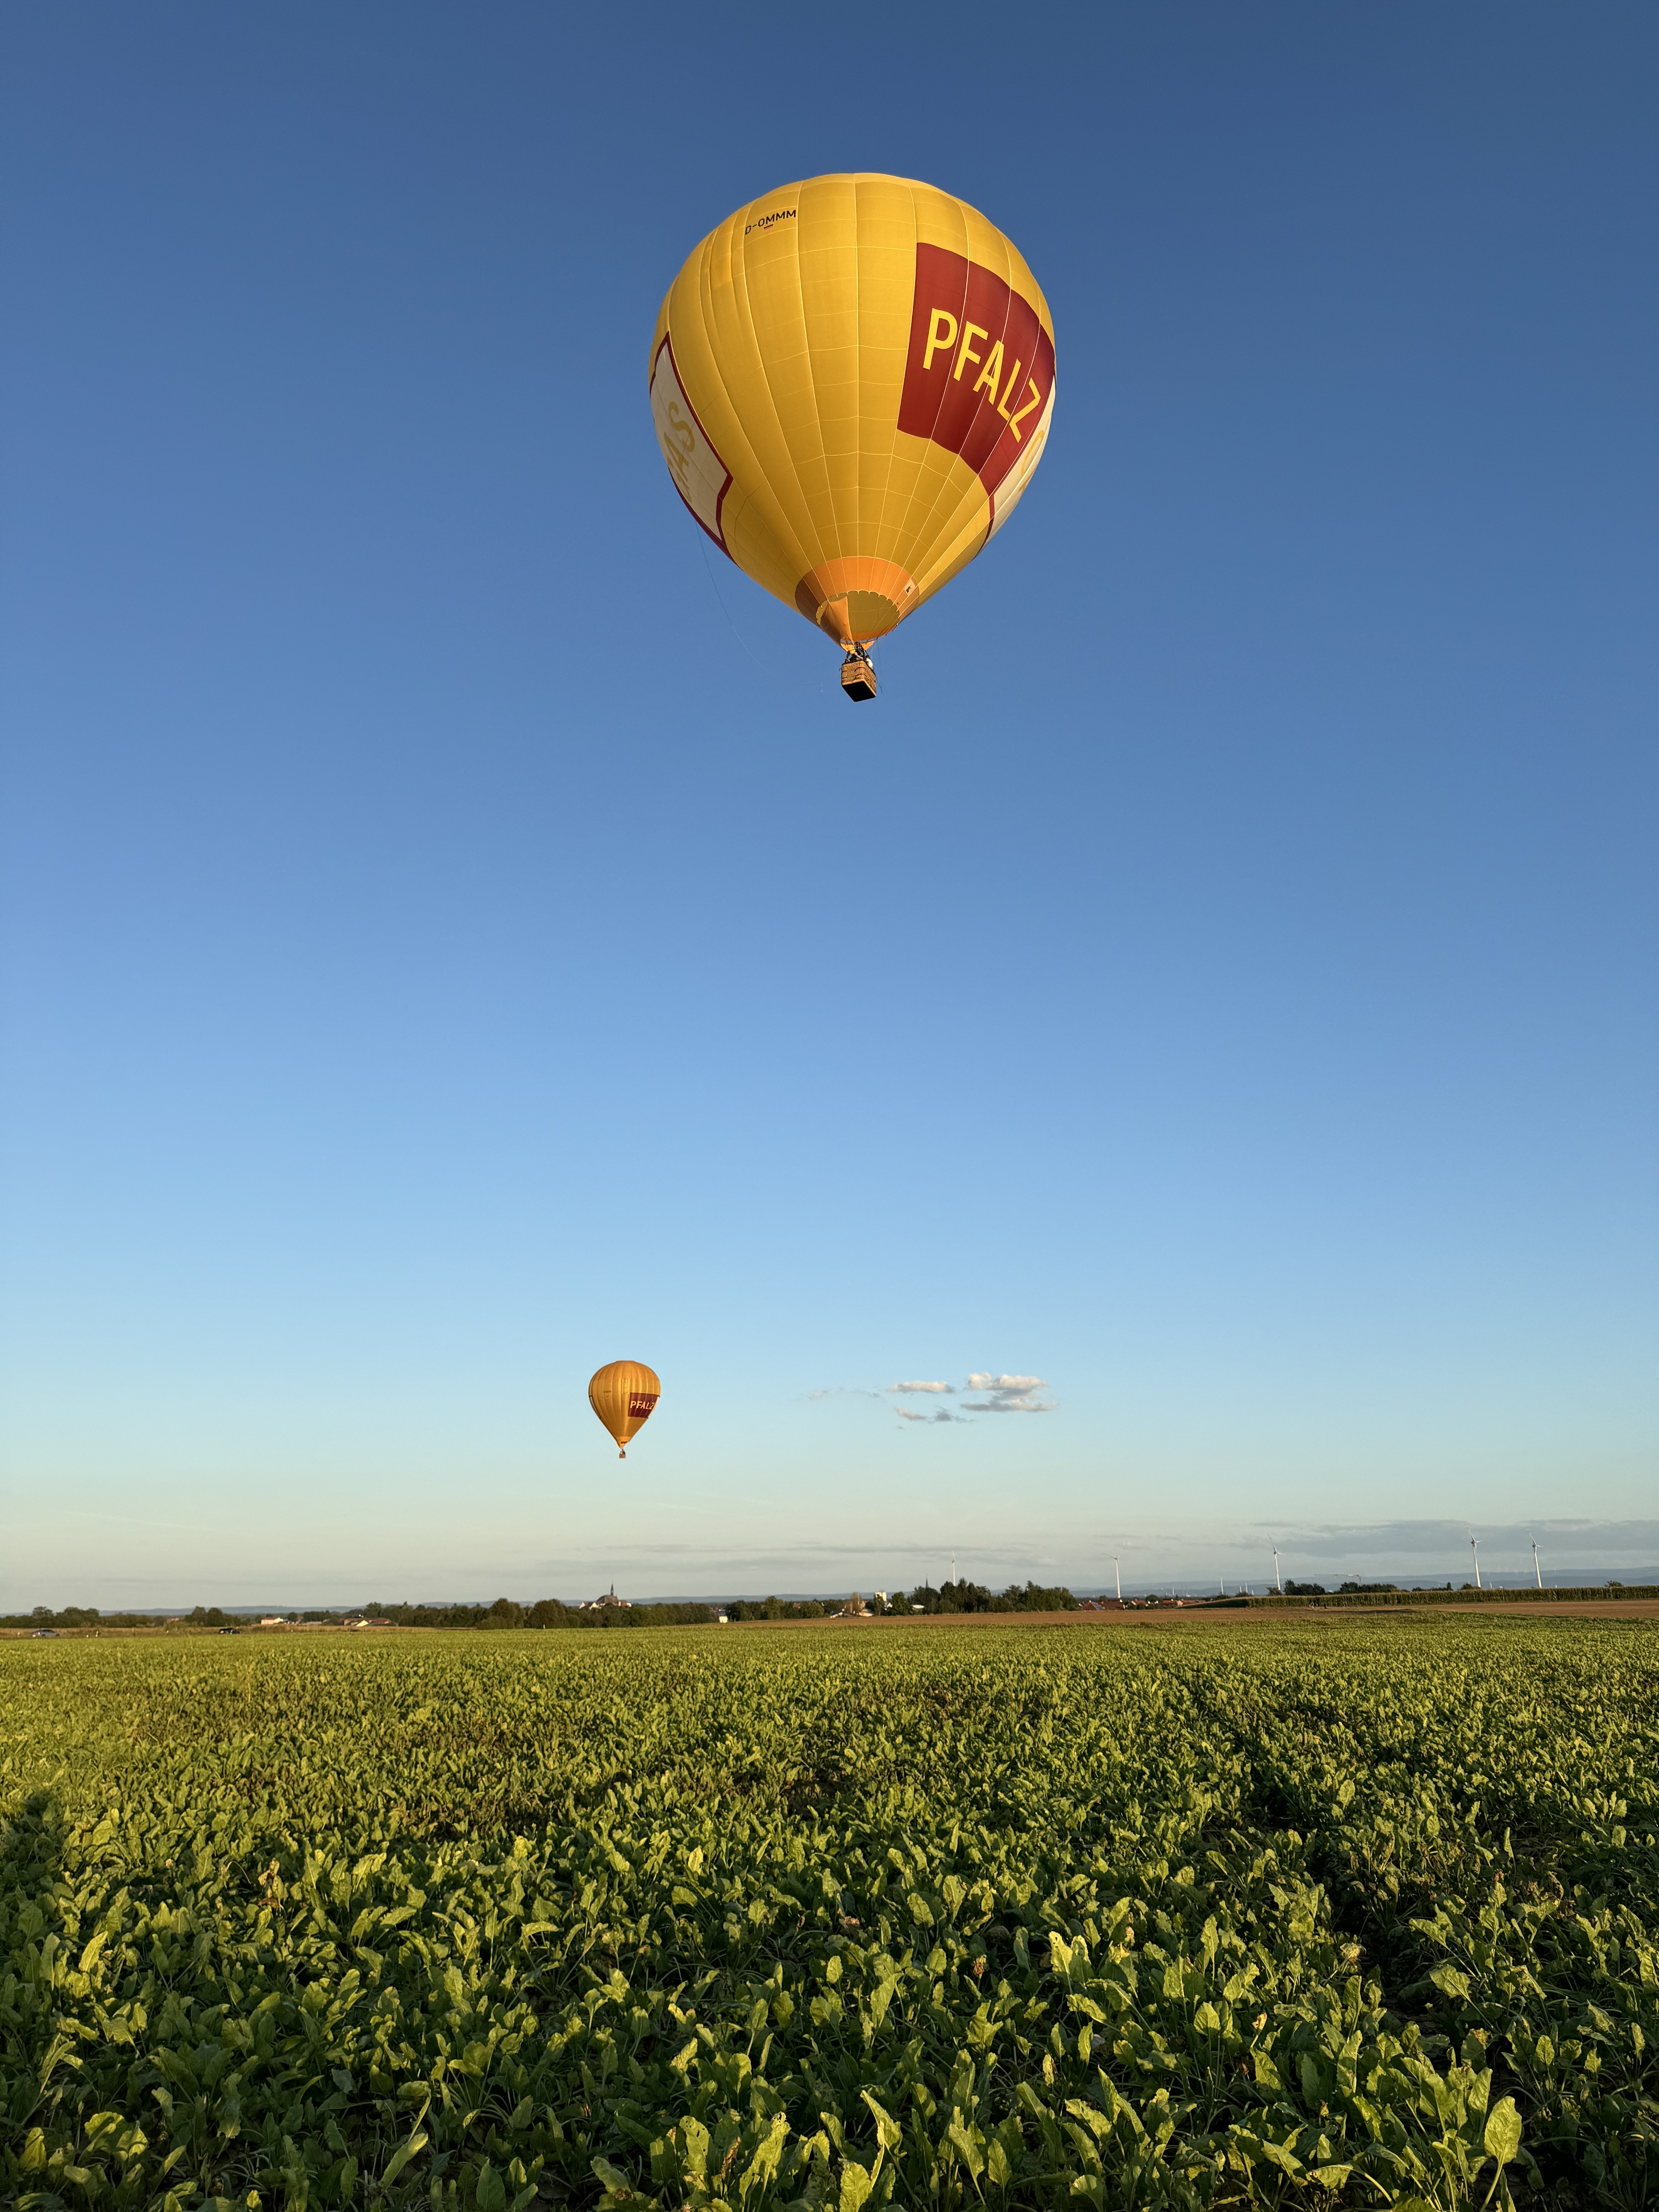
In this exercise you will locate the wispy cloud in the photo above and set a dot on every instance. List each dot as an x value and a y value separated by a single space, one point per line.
1009 1393
1408 1542
993 1394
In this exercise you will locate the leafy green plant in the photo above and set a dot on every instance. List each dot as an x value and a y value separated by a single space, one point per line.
1274 1913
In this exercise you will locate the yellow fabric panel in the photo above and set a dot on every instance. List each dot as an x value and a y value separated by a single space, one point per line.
790 334
955 545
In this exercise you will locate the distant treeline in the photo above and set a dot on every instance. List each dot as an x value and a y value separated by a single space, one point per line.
553 1612
546 1612
950 1598
973 1597
505 1613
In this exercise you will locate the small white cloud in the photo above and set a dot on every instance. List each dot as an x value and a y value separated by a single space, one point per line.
997 1394
1009 1393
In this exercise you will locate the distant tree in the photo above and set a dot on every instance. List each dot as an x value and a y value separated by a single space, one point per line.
504 1613
1305 1590
965 1597
214 1617
1036 1598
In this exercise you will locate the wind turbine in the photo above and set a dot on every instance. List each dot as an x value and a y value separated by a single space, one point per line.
1117 1576
1536 1576
1278 1580
1475 1551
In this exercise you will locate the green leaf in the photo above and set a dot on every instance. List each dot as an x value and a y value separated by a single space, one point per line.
694 2146
620 2194
764 2163
1503 2131
856 2186
101 2134
400 2158
968 2144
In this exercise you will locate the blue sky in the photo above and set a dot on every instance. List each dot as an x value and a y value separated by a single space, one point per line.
451 936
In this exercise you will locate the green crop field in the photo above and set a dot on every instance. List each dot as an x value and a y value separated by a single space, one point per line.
1283 1912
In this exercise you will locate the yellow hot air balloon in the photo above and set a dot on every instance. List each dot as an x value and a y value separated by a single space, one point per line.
623 1394
853 379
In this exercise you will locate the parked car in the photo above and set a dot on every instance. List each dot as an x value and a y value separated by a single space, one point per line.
43 1632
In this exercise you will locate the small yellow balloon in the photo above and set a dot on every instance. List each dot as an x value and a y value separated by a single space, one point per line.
624 1396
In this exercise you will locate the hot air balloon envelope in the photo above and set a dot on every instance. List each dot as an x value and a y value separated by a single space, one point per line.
853 380
624 1396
